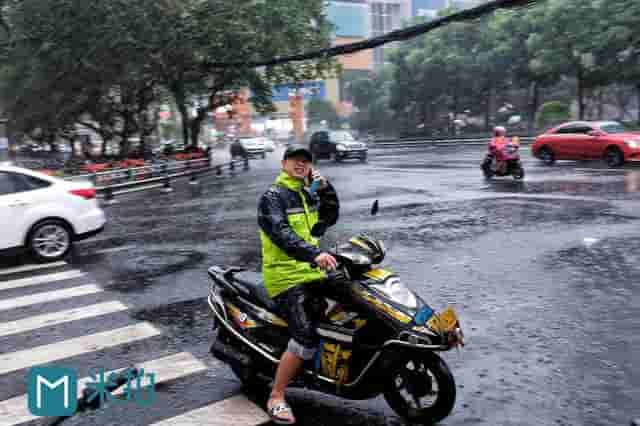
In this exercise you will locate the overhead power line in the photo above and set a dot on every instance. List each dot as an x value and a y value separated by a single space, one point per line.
398 35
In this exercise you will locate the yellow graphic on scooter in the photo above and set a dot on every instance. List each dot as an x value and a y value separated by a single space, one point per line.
378 274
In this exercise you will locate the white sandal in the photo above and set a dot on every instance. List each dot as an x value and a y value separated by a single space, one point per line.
279 408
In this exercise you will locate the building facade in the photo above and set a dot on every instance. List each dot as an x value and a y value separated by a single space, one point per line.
353 21
429 8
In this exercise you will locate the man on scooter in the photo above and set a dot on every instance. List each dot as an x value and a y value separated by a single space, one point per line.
292 219
496 145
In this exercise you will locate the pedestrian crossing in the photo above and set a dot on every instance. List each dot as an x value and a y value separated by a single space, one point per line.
54 293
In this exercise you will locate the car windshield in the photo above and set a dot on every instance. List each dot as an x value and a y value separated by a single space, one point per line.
341 136
613 128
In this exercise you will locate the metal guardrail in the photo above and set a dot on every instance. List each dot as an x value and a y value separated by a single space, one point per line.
460 141
113 182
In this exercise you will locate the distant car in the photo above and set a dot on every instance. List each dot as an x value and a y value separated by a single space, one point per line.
588 140
269 145
45 215
255 147
339 144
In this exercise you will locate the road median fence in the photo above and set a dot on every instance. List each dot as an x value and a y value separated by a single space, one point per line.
122 181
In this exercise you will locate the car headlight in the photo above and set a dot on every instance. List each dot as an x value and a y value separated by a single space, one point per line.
341 147
633 144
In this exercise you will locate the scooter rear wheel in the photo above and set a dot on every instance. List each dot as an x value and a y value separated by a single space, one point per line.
518 173
486 170
247 374
421 389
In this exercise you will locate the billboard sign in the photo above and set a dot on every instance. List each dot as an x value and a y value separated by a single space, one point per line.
310 90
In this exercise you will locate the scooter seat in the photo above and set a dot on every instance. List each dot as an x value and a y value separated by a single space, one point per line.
251 284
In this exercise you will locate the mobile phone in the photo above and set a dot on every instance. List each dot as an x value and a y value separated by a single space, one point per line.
314 183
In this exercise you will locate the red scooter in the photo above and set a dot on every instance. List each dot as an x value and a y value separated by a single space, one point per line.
504 161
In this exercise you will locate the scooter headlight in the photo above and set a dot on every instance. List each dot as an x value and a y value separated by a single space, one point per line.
395 290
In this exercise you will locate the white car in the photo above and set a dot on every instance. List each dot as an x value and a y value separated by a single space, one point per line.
254 146
44 215
269 145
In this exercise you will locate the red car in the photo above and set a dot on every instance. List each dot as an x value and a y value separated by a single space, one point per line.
588 140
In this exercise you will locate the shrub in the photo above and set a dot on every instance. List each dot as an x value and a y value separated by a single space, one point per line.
551 114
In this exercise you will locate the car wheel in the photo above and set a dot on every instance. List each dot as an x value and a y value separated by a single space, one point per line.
614 157
264 155
50 240
547 156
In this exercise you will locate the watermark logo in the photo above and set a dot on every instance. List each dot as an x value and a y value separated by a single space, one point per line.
53 391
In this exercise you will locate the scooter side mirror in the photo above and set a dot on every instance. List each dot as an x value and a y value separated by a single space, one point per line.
374 208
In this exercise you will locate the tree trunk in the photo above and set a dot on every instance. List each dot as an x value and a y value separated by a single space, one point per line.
487 111
104 145
581 105
196 125
452 125
178 95
533 109
638 96
125 143
600 105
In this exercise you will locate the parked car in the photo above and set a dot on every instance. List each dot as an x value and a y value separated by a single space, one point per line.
255 147
45 215
339 144
588 140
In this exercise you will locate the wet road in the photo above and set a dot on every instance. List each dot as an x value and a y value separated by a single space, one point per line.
544 272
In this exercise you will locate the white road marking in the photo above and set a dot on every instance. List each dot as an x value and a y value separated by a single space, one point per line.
234 411
113 250
49 296
40 279
27 268
55 318
602 170
15 410
19 360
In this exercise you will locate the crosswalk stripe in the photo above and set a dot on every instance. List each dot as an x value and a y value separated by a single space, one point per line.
27 268
15 361
40 279
237 410
55 318
49 296
15 410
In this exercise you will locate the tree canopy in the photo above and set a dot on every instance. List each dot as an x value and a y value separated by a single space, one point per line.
558 50
107 64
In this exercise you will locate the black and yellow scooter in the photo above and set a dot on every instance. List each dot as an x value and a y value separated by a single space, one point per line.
378 336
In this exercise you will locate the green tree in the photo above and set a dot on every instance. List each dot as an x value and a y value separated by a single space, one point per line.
75 55
552 113
371 98
619 52
319 110
566 46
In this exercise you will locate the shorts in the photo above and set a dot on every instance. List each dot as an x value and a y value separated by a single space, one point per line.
302 307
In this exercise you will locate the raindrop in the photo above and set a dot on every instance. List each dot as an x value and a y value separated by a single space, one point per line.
590 241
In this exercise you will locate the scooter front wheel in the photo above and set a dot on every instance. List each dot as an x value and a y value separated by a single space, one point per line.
421 389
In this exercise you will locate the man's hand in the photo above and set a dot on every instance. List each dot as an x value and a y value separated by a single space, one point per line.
315 174
326 261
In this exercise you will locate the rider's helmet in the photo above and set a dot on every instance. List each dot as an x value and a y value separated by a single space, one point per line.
499 131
